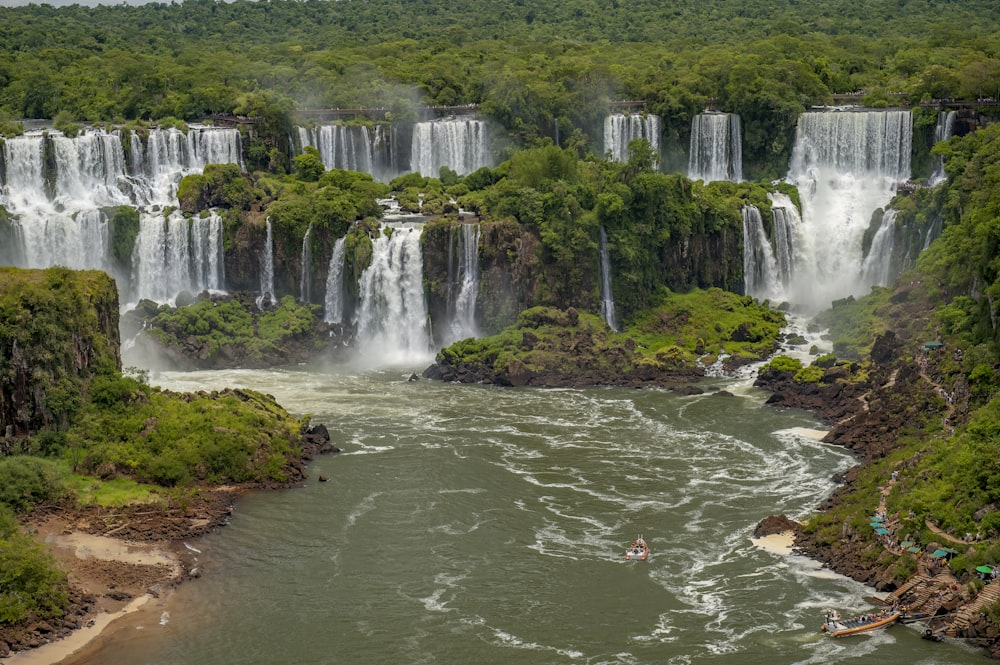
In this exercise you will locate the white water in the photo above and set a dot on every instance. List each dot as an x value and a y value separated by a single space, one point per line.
333 311
305 279
267 270
462 303
620 129
787 229
942 132
845 165
760 268
60 222
392 314
174 254
876 270
716 151
607 294
460 144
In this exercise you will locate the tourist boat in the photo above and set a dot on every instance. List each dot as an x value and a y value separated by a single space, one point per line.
638 550
839 627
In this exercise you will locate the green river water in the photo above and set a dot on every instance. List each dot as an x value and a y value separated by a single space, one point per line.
479 525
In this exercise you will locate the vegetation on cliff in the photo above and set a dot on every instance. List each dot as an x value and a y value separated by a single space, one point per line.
936 431
551 347
72 422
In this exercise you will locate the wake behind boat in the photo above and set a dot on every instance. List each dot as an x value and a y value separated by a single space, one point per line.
839 627
638 550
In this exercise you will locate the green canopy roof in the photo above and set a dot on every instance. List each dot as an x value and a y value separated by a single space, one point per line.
882 532
985 569
937 554
933 345
913 549
906 543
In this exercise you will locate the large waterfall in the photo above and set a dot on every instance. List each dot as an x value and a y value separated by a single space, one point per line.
392 314
463 284
58 191
846 165
716 148
620 129
760 268
461 144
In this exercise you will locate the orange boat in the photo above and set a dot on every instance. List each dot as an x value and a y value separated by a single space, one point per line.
638 550
839 627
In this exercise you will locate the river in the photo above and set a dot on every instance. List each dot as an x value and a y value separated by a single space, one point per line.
473 524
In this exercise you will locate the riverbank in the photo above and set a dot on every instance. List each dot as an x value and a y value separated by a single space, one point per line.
120 561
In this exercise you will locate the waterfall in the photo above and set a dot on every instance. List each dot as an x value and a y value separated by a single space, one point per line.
174 254
607 296
56 188
460 144
463 287
716 151
942 132
333 311
305 281
760 273
392 315
621 128
342 147
787 226
877 266
267 271
845 165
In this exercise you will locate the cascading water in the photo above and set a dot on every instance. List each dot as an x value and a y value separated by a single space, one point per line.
760 268
845 165
460 144
305 280
267 271
342 146
463 288
716 151
607 295
57 189
621 128
392 314
333 311
876 270
942 132
787 227
174 254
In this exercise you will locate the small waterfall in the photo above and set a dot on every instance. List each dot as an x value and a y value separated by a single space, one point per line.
460 144
462 296
305 281
351 148
620 129
392 314
333 311
174 254
787 225
942 132
607 295
267 271
716 152
760 271
845 165
876 270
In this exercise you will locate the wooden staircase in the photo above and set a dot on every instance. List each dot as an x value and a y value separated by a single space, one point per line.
965 615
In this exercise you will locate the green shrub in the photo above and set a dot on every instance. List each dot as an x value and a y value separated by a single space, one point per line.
26 481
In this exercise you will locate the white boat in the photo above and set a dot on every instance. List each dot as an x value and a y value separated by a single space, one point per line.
839 627
638 550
